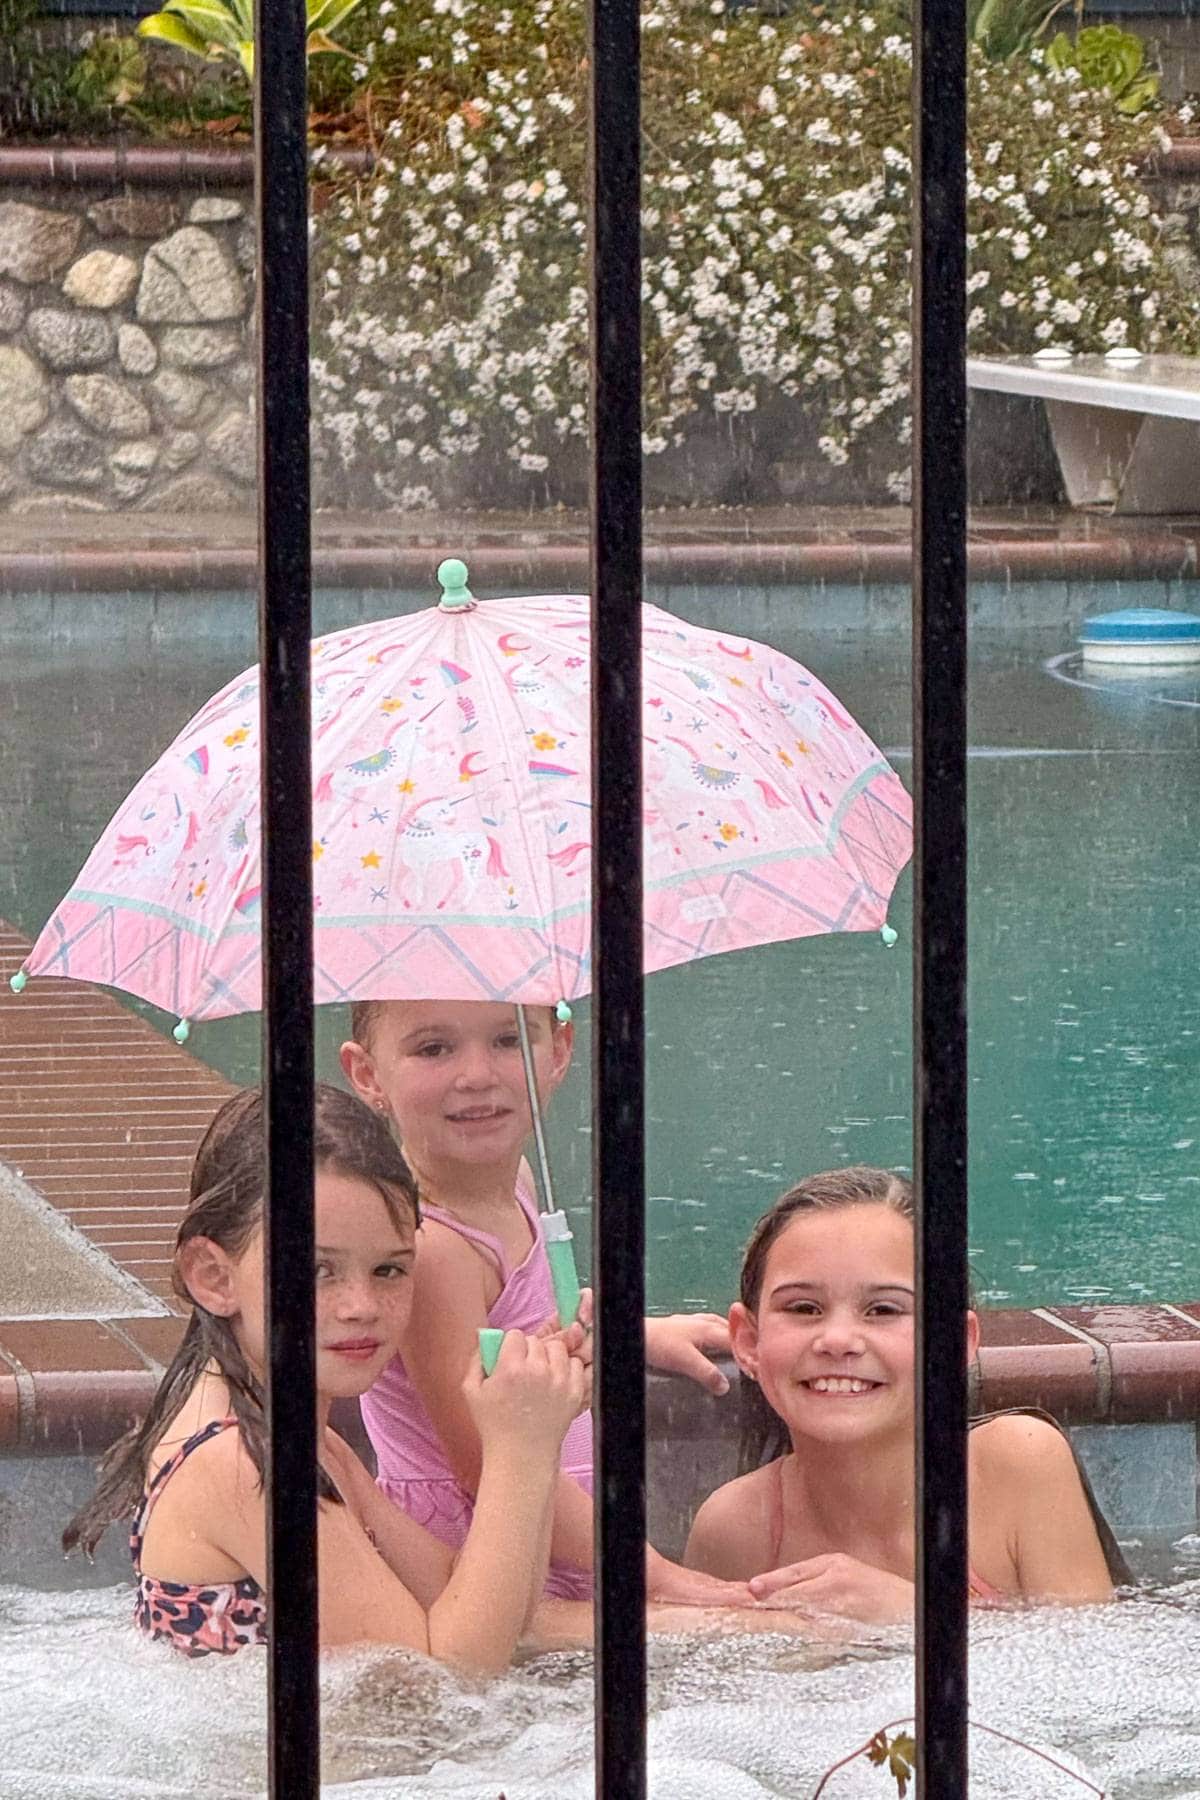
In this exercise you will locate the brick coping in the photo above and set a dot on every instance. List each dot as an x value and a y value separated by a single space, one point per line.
72 1385
233 165
152 165
771 545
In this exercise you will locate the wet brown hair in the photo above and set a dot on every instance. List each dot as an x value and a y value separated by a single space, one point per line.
364 1016
764 1436
226 1205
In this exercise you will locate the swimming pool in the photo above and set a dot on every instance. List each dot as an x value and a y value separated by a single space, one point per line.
1085 852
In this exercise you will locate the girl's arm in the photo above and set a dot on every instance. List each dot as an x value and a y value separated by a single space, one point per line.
1029 1466
677 1344
441 1342
732 1532
485 1594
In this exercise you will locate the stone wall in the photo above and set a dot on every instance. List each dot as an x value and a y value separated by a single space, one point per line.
126 369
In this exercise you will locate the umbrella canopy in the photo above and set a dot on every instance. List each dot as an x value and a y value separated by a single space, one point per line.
452 818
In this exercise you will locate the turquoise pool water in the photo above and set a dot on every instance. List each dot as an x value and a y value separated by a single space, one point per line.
1085 859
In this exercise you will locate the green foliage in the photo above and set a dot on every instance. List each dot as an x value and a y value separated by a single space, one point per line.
898 1755
223 30
35 92
111 73
1004 28
1111 60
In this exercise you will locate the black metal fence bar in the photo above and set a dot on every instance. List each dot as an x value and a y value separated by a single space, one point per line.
940 956
618 1118
285 627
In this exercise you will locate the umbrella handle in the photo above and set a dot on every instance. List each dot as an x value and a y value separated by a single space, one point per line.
560 1253
490 1340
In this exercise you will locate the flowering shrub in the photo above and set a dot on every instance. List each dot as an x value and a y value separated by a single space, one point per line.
452 306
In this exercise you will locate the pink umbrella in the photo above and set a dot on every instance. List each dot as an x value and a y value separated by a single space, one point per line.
452 817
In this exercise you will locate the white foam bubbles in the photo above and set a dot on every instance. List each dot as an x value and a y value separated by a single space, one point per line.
95 1713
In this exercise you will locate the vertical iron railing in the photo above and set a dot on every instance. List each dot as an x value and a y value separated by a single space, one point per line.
285 628
618 1141
939 735
940 891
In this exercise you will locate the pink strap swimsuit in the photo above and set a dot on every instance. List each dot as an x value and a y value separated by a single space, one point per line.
414 1470
211 1618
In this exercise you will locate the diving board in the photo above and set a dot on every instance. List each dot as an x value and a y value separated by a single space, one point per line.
1127 434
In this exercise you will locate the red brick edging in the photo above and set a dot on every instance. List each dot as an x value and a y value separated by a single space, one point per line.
232 165
151 165
1154 554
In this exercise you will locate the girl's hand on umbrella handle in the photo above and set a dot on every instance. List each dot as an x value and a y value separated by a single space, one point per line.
578 1335
534 1392
677 1345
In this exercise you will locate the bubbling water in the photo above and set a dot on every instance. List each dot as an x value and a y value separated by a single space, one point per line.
94 1712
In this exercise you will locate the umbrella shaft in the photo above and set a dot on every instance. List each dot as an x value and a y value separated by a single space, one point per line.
540 1156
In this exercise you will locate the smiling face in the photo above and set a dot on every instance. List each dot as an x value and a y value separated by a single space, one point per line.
364 1289
450 1073
830 1342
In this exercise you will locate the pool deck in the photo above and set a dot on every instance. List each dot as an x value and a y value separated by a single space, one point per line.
121 552
100 1116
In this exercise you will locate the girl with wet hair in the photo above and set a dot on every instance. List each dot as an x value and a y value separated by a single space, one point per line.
450 1078
192 1473
822 1516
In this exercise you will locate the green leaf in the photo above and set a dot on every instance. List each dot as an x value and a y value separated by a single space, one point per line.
318 44
1138 96
171 30
209 19
1060 52
327 15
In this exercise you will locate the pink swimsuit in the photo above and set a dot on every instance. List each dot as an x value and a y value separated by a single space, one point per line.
414 1470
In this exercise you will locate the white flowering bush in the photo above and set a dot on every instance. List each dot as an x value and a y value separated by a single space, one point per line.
451 315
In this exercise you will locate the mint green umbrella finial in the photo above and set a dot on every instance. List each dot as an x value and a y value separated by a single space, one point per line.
452 577
17 982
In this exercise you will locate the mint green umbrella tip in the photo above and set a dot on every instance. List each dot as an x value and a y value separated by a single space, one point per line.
452 578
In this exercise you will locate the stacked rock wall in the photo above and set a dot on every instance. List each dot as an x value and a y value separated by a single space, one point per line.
126 358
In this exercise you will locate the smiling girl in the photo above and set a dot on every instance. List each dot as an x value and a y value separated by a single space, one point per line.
823 1335
192 1473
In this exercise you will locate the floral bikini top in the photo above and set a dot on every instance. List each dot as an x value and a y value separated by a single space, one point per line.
211 1618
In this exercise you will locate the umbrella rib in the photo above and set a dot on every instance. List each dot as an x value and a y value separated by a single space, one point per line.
533 863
